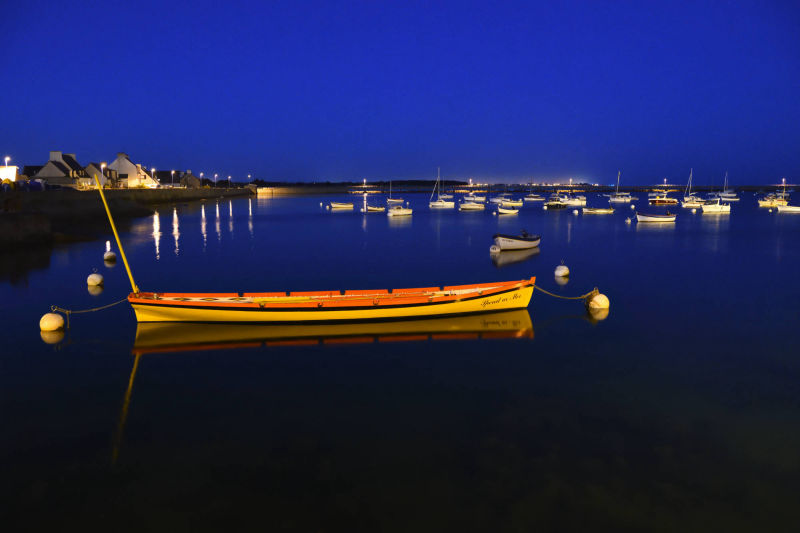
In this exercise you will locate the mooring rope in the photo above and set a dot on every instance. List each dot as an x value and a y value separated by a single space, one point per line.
581 297
68 312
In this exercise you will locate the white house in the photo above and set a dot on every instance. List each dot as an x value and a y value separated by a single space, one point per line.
130 174
63 169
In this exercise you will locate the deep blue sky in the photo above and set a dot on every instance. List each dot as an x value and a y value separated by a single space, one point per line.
347 90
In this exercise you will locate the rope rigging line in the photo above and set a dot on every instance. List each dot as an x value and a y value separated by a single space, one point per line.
69 312
582 297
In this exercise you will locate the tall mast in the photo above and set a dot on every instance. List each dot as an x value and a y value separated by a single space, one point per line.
618 173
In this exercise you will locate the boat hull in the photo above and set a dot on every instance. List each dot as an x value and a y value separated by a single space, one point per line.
597 211
332 306
788 209
471 206
655 218
510 242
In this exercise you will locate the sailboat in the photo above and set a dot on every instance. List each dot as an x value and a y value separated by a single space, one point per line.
439 203
726 195
619 197
391 200
691 199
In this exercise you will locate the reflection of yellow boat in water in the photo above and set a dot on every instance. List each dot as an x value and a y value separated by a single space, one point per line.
185 336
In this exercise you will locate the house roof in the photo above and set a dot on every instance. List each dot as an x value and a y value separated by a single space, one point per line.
60 166
70 161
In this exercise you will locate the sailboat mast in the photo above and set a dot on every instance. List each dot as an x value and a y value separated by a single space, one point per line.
618 173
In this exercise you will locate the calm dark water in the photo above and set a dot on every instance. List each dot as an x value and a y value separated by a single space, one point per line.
680 411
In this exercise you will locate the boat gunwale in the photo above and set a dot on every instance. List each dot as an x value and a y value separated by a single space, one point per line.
355 302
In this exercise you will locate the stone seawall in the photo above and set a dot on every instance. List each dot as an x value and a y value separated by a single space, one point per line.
34 217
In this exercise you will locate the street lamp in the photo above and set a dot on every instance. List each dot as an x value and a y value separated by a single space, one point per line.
172 178
229 181
215 181
7 160
103 170
153 172
248 178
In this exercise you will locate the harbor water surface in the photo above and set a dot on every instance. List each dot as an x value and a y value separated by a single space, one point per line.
679 410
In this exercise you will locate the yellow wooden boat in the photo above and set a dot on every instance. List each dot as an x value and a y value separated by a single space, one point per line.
163 337
323 306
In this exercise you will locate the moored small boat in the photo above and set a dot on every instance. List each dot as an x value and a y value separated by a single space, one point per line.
373 209
506 210
471 206
788 209
598 210
320 306
642 217
522 241
441 204
512 203
399 211
715 206
341 205
533 198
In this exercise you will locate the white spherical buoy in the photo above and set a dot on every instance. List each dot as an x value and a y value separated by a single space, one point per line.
574 211
770 210
494 249
51 322
94 279
494 213
320 204
562 271
109 257
544 208
633 206
694 210
327 207
628 220
598 301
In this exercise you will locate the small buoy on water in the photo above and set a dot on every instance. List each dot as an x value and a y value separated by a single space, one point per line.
628 220
562 271
52 337
494 213
544 208
494 249
694 210
574 211
770 210
327 207
51 322
320 204
94 279
597 300
633 206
